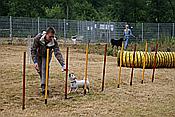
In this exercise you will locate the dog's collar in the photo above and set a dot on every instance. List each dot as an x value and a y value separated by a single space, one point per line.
75 78
73 81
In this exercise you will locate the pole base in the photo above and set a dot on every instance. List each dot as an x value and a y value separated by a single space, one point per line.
142 81
45 101
152 79
130 83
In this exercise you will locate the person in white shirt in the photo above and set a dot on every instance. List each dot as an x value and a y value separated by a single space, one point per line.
127 34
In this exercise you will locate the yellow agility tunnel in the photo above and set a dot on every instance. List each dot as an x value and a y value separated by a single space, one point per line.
163 60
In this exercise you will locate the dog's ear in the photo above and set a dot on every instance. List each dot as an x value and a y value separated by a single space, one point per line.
69 75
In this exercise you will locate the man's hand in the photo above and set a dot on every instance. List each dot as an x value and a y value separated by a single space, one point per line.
63 68
36 66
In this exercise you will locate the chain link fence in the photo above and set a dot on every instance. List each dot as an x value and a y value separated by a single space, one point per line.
84 31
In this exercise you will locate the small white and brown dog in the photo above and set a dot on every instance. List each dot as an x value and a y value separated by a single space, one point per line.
76 84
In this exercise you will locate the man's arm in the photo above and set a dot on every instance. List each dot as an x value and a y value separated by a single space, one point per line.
58 55
131 33
124 32
34 48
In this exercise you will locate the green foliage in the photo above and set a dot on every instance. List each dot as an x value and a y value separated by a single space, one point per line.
4 8
110 51
28 8
84 11
101 10
54 12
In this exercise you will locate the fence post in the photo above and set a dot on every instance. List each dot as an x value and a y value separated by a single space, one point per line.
38 24
115 28
80 28
32 28
173 31
94 32
109 32
158 31
78 32
142 32
11 39
29 48
84 29
64 30
86 34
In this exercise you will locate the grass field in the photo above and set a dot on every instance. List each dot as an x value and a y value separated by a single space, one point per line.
146 100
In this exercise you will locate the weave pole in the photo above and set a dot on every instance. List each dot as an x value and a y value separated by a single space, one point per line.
120 68
144 61
67 52
104 67
24 74
155 57
87 48
47 76
132 71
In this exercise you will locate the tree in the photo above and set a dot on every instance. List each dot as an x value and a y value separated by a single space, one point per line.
28 8
4 7
99 10
54 12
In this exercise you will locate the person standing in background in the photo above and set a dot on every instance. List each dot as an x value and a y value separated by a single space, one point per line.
127 33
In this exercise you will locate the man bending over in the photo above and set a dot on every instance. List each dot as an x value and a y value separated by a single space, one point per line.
42 42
